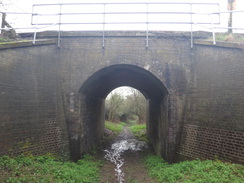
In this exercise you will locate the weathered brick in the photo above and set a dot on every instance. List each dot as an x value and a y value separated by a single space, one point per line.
200 112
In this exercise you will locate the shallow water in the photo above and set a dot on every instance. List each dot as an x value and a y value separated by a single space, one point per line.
124 142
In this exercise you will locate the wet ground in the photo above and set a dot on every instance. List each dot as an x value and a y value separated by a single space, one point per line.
130 156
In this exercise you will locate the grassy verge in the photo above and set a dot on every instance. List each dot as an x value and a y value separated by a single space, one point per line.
132 122
115 127
139 130
228 37
47 169
4 39
196 171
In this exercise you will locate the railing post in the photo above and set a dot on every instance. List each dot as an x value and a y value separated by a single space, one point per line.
191 26
104 6
213 31
147 28
59 27
34 38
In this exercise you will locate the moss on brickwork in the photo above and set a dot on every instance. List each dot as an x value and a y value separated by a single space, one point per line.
24 43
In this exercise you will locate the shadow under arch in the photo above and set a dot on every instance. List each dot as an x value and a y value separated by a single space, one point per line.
94 91
105 80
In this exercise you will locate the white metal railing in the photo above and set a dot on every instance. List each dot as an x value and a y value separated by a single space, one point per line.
105 13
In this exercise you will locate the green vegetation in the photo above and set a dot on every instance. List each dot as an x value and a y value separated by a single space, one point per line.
228 37
115 127
139 130
196 171
44 169
3 39
132 122
121 108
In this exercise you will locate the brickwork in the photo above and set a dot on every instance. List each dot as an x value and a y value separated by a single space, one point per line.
213 143
51 100
217 98
31 109
83 57
213 124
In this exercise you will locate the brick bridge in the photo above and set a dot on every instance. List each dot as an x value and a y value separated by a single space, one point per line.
52 99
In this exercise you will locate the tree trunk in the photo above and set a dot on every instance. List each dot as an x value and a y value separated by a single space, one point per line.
231 7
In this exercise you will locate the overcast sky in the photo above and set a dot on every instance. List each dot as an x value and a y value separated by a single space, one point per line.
26 6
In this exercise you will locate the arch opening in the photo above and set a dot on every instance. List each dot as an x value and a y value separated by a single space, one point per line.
125 105
92 104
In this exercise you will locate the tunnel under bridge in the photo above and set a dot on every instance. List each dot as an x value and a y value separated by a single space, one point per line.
53 98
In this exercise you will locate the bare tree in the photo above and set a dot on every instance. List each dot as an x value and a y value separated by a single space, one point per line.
137 105
231 7
114 106
4 5
121 108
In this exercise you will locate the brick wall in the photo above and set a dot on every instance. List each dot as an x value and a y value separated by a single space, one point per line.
213 118
82 57
31 109
214 143
43 108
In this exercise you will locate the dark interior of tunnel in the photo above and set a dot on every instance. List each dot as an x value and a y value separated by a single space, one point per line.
107 79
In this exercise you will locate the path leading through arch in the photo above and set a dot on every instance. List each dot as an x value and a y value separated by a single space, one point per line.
96 88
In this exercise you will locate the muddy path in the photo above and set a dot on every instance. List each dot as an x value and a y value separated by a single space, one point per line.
132 167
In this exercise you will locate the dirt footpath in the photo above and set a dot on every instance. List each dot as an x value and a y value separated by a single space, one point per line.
133 167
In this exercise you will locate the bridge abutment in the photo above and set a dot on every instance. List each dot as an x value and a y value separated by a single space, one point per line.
51 98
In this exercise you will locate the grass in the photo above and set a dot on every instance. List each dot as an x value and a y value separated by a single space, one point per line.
196 171
132 122
228 37
115 127
139 130
3 39
47 169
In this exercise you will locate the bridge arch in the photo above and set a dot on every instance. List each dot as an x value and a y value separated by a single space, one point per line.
101 83
95 89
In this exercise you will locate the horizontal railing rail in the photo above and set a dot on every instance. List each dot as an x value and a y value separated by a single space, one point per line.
105 12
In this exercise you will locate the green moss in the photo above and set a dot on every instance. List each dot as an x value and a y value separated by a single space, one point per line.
14 42
23 146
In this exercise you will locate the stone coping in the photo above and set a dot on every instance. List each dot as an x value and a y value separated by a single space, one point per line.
220 44
54 34
25 43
